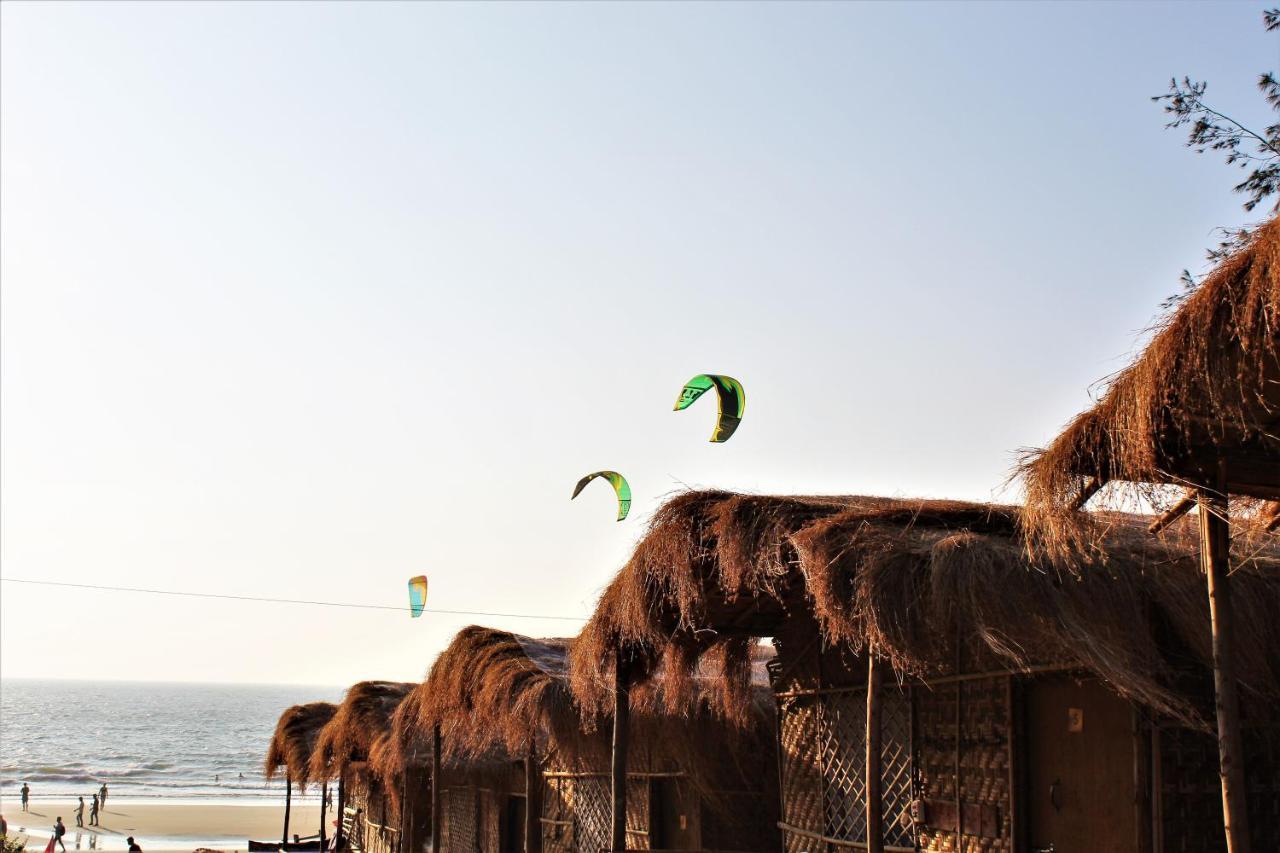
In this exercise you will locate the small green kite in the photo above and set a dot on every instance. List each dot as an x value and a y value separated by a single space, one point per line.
620 487
733 401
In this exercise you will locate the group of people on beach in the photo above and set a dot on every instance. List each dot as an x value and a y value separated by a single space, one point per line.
99 803
59 828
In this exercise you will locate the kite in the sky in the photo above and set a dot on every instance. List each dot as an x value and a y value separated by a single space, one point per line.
732 398
417 595
620 486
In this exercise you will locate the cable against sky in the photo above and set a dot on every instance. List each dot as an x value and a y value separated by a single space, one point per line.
265 599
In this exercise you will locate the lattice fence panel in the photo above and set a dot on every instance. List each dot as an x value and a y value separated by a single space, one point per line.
896 768
842 723
801 776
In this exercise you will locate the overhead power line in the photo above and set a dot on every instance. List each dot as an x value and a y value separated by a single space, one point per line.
187 594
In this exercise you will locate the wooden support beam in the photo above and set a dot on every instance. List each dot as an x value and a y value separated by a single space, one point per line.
288 802
436 812
532 801
621 714
342 810
875 805
1181 508
1090 489
1215 544
324 795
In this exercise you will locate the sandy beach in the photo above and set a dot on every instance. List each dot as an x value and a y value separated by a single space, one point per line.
160 826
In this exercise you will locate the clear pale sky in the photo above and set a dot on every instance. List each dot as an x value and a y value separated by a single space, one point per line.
300 300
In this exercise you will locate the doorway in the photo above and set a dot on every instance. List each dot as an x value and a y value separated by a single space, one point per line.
1080 760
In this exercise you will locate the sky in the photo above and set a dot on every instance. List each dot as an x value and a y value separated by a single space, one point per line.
300 300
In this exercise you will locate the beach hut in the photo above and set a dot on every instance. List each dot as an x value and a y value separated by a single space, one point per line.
370 819
695 781
1193 423
291 748
938 689
401 759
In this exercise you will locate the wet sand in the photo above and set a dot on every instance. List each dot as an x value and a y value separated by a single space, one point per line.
158 826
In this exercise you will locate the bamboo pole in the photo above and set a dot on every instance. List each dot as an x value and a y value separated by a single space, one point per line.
875 808
532 802
324 795
435 790
288 801
621 712
342 810
1215 555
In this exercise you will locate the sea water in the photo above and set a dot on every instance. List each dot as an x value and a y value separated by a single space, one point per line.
198 742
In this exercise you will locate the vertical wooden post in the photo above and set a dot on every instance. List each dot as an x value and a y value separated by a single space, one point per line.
1215 555
532 801
342 810
875 808
621 713
435 790
288 801
324 795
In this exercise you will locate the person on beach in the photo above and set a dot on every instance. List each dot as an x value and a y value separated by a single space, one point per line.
133 846
4 826
59 830
80 813
102 797
93 811
26 797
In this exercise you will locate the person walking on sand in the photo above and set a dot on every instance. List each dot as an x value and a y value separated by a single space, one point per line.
59 830
26 797
133 846
93 811
80 813
102 797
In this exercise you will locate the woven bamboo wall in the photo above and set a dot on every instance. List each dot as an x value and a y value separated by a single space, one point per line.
984 752
1190 794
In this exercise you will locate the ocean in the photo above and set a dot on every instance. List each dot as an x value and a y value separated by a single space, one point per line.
202 742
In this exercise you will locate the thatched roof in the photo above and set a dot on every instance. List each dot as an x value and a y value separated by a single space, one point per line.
908 576
364 716
1206 387
495 694
295 739
494 690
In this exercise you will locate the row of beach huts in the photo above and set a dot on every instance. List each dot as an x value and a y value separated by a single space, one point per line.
937 676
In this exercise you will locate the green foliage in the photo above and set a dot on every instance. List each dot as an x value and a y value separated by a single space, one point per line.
1255 151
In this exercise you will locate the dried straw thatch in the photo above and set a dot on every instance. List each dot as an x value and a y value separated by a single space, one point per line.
495 695
295 739
363 717
492 692
1206 387
908 576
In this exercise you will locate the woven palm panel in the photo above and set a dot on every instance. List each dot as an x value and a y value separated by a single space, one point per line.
460 820
935 743
1190 793
490 816
557 828
1262 780
984 757
802 803
637 814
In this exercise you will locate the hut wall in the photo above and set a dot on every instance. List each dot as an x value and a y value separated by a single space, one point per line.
971 810
576 811
378 830
415 818
822 703
474 809
1187 793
